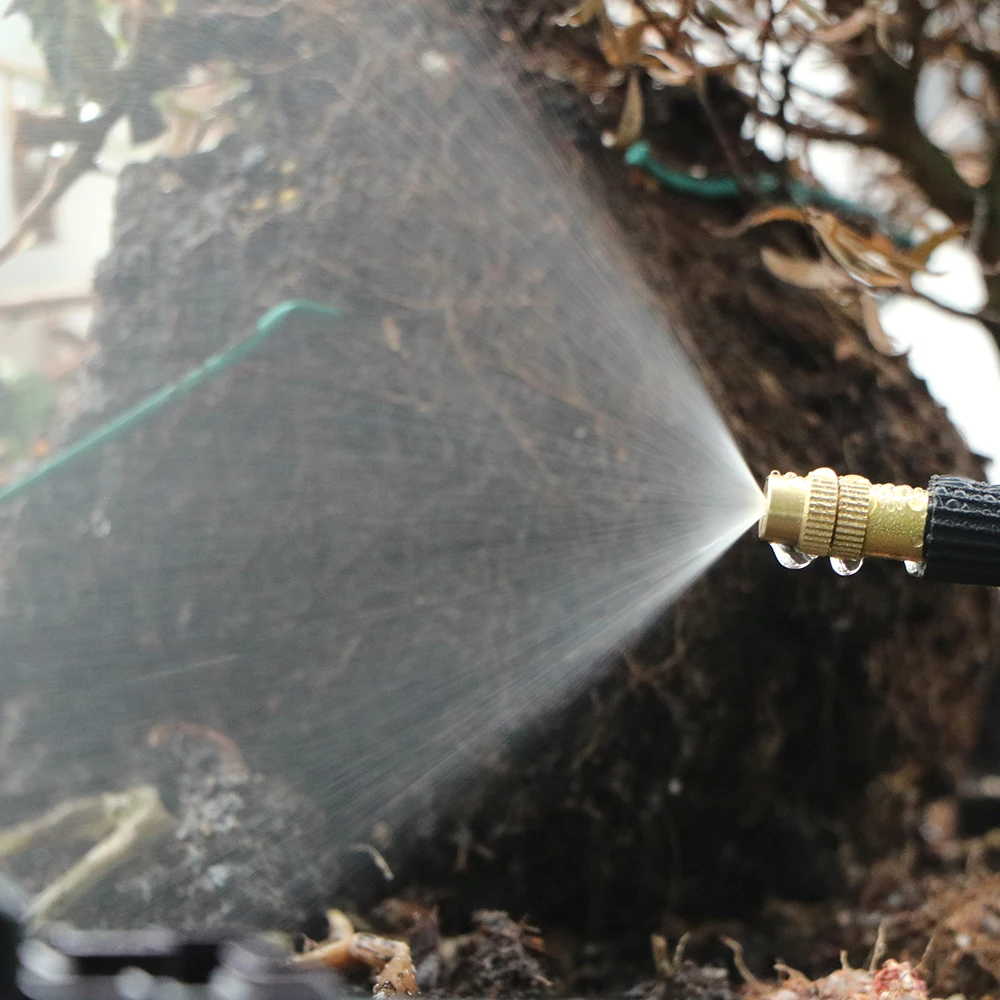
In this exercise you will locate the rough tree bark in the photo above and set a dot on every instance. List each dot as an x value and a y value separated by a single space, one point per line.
728 760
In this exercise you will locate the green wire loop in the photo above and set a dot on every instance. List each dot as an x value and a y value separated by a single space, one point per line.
208 369
640 155
637 155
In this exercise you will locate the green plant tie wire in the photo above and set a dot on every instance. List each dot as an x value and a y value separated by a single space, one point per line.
208 369
640 155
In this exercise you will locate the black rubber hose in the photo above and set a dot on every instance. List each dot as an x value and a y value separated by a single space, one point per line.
962 534
12 907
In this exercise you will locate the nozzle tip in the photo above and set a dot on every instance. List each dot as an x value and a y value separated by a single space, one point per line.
845 517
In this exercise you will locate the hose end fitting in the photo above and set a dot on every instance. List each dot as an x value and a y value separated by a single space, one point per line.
844 517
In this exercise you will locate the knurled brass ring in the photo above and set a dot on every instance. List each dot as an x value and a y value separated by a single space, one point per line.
852 518
821 513
847 518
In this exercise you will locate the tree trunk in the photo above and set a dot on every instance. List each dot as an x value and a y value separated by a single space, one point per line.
727 760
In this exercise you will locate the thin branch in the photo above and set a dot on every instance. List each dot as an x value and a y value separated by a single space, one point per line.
940 46
73 296
986 224
79 162
665 25
866 140
985 315
733 161
887 94
34 130
915 21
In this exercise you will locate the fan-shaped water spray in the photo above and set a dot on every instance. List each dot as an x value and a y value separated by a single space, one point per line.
384 542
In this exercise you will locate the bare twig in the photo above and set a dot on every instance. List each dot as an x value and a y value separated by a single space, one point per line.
79 162
733 161
69 296
868 139
887 92
667 26
879 951
377 858
739 961
987 221
36 130
985 315
230 754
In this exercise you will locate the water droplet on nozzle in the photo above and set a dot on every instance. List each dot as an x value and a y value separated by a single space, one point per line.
790 558
846 567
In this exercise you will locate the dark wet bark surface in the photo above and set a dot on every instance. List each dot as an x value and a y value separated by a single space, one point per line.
728 761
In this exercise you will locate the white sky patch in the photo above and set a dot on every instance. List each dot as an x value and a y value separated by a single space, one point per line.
818 73
957 357
960 363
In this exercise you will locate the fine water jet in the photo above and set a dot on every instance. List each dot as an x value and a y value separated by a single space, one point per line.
412 511
363 548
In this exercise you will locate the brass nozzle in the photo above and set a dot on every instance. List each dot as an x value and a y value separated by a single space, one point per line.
845 517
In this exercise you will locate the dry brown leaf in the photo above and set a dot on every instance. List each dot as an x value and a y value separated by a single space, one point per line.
723 18
816 275
862 257
580 15
872 260
847 29
390 959
892 34
873 326
621 47
779 213
673 71
883 24
809 10
630 124
661 955
659 72
673 61
920 256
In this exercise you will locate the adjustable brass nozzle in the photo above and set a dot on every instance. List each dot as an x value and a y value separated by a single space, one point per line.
844 517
